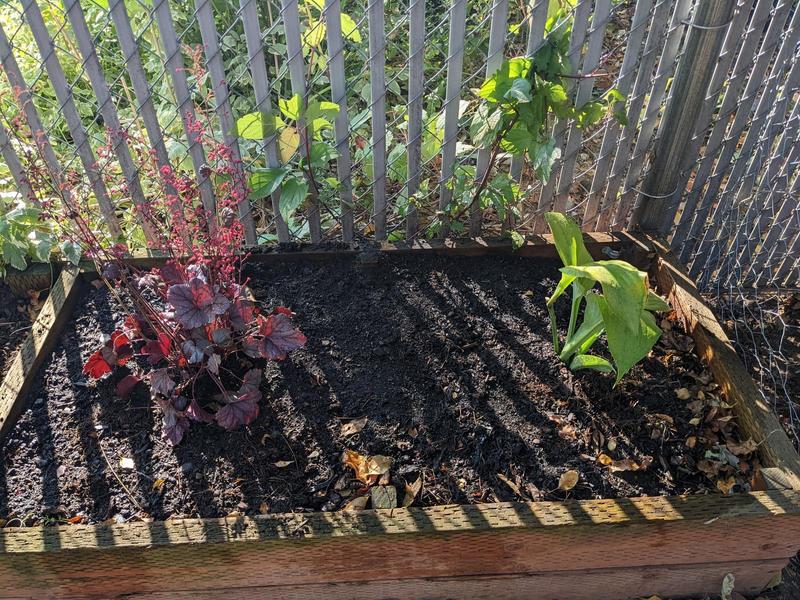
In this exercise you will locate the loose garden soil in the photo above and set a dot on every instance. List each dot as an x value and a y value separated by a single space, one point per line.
14 325
450 361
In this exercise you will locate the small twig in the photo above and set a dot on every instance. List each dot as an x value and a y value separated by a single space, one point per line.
114 473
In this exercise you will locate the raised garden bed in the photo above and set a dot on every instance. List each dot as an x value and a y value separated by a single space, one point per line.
448 359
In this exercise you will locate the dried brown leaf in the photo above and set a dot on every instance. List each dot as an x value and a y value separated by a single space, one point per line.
356 504
683 393
568 480
367 468
742 448
412 491
353 427
514 487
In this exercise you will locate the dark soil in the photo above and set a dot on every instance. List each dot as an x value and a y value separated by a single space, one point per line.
451 362
14 325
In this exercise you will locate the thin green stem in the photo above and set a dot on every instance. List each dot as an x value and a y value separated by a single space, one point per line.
553 328
574 344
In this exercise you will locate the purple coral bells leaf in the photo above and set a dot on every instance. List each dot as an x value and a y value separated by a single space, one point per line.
242 407
241 314
161 382
173 423
280 336
195 303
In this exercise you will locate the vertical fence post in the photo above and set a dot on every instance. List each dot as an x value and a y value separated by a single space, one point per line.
654 211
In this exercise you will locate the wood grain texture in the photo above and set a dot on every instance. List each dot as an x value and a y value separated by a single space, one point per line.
754 414
36 348
545 538
599 584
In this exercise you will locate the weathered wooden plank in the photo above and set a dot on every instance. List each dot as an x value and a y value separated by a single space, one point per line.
63 92
377 78
542 539
580 25
599 584
537 21
91 65
624 82
652 45
294 56
716 86
754 415
600 19
16 168
37 346
177 70
216 68
455 64
494 58
261 87
416 89
667 64
341 125
724 137
144 97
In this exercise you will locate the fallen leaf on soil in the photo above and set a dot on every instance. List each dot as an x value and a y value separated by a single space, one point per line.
565 430
741 448
367 468
75 520
283 463
263 508
568 480
691 441
126 463
158 484
412 491
683 393
356 504
353 427
726 485
384 496
514 487
612 445
626 464
665 418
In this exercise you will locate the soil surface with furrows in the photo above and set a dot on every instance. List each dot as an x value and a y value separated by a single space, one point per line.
14 326
450 360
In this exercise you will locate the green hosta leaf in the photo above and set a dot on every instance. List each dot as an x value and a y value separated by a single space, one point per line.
350 29
568 238
72 252
293 192
655 302
291 108
543 157
495 87
516 141
624 289
14 255
485 125
590 361
520 91
265 181
258 125
628 346
397 164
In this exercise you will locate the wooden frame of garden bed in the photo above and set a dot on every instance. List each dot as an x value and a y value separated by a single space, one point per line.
573 550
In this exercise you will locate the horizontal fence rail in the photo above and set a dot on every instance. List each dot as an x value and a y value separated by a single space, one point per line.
388 154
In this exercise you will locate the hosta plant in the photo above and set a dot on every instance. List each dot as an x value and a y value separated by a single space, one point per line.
622 309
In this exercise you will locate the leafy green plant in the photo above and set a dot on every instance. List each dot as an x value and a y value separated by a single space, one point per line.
520 103
302 157
623 310
25 237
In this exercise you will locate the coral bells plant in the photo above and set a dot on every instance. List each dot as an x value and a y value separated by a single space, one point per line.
191 326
